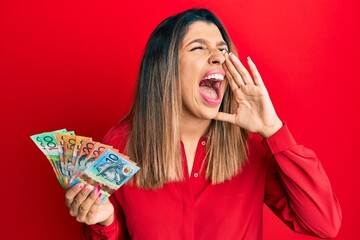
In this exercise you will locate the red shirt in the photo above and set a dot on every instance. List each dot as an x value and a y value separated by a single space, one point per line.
285 176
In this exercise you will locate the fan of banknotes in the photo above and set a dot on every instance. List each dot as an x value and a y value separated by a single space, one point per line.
78 159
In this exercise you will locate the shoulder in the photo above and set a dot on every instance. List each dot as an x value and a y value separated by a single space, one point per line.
117 136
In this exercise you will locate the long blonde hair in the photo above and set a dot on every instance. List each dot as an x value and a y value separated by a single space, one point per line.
154 137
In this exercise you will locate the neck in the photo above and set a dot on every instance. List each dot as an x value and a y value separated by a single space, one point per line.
193 129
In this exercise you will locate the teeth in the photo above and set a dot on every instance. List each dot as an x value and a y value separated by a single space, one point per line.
217 77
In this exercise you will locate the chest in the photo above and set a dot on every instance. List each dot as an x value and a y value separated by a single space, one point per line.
195 208
195 204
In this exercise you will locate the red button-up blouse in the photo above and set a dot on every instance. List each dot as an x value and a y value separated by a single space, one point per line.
285 176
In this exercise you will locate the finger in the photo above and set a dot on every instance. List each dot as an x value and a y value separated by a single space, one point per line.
230 79
233 71
255 73
241 69
71 193
87 204
79 200
225 117
94 209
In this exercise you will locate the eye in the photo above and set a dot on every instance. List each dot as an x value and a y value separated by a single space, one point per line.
222 49
197 48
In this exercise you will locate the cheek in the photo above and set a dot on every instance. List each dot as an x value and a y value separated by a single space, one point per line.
187 93
190 70
191 67
188 81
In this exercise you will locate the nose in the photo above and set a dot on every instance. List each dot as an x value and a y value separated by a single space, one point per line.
216 57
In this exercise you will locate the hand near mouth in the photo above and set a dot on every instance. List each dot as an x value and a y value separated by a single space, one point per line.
255 111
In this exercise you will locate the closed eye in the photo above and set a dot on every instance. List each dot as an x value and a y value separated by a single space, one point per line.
197 48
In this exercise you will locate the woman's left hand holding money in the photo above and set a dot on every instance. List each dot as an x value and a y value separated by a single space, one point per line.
85 205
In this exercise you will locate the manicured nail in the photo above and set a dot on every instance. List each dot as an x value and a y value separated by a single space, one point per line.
248 58
87 188
97 189
80 185
99 197
230 53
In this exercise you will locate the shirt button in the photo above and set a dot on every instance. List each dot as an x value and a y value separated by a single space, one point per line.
203 143
196 175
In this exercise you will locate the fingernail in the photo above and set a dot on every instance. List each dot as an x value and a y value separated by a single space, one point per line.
230 53
80 185
87 188
97 189
99 197
248 58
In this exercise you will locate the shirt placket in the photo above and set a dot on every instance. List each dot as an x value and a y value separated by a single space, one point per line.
193 185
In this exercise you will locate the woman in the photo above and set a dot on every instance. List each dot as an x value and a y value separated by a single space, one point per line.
201 176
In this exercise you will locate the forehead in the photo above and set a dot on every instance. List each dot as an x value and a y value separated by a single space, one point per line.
203 30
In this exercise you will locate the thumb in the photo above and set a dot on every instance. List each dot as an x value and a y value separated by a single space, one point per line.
226 117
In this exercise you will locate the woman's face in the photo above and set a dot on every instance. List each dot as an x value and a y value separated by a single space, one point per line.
201 72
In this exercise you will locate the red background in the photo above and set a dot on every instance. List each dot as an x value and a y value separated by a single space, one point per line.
73 64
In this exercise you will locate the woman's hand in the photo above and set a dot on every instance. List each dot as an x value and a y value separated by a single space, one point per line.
255 111
84 204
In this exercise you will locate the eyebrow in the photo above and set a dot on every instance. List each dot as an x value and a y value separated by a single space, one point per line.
203 41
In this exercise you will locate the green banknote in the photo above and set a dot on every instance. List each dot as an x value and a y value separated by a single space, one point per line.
47 143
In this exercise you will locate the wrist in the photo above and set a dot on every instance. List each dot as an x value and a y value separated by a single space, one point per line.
271 130
108 221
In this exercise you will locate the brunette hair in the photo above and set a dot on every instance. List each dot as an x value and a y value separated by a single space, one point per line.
154 119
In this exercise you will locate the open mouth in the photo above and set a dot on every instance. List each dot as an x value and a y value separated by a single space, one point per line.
210 86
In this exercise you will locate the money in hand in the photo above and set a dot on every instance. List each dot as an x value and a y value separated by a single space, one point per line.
79 159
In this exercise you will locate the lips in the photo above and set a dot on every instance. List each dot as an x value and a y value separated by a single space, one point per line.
210 86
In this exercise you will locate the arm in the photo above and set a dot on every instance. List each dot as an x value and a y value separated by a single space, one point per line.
297 188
